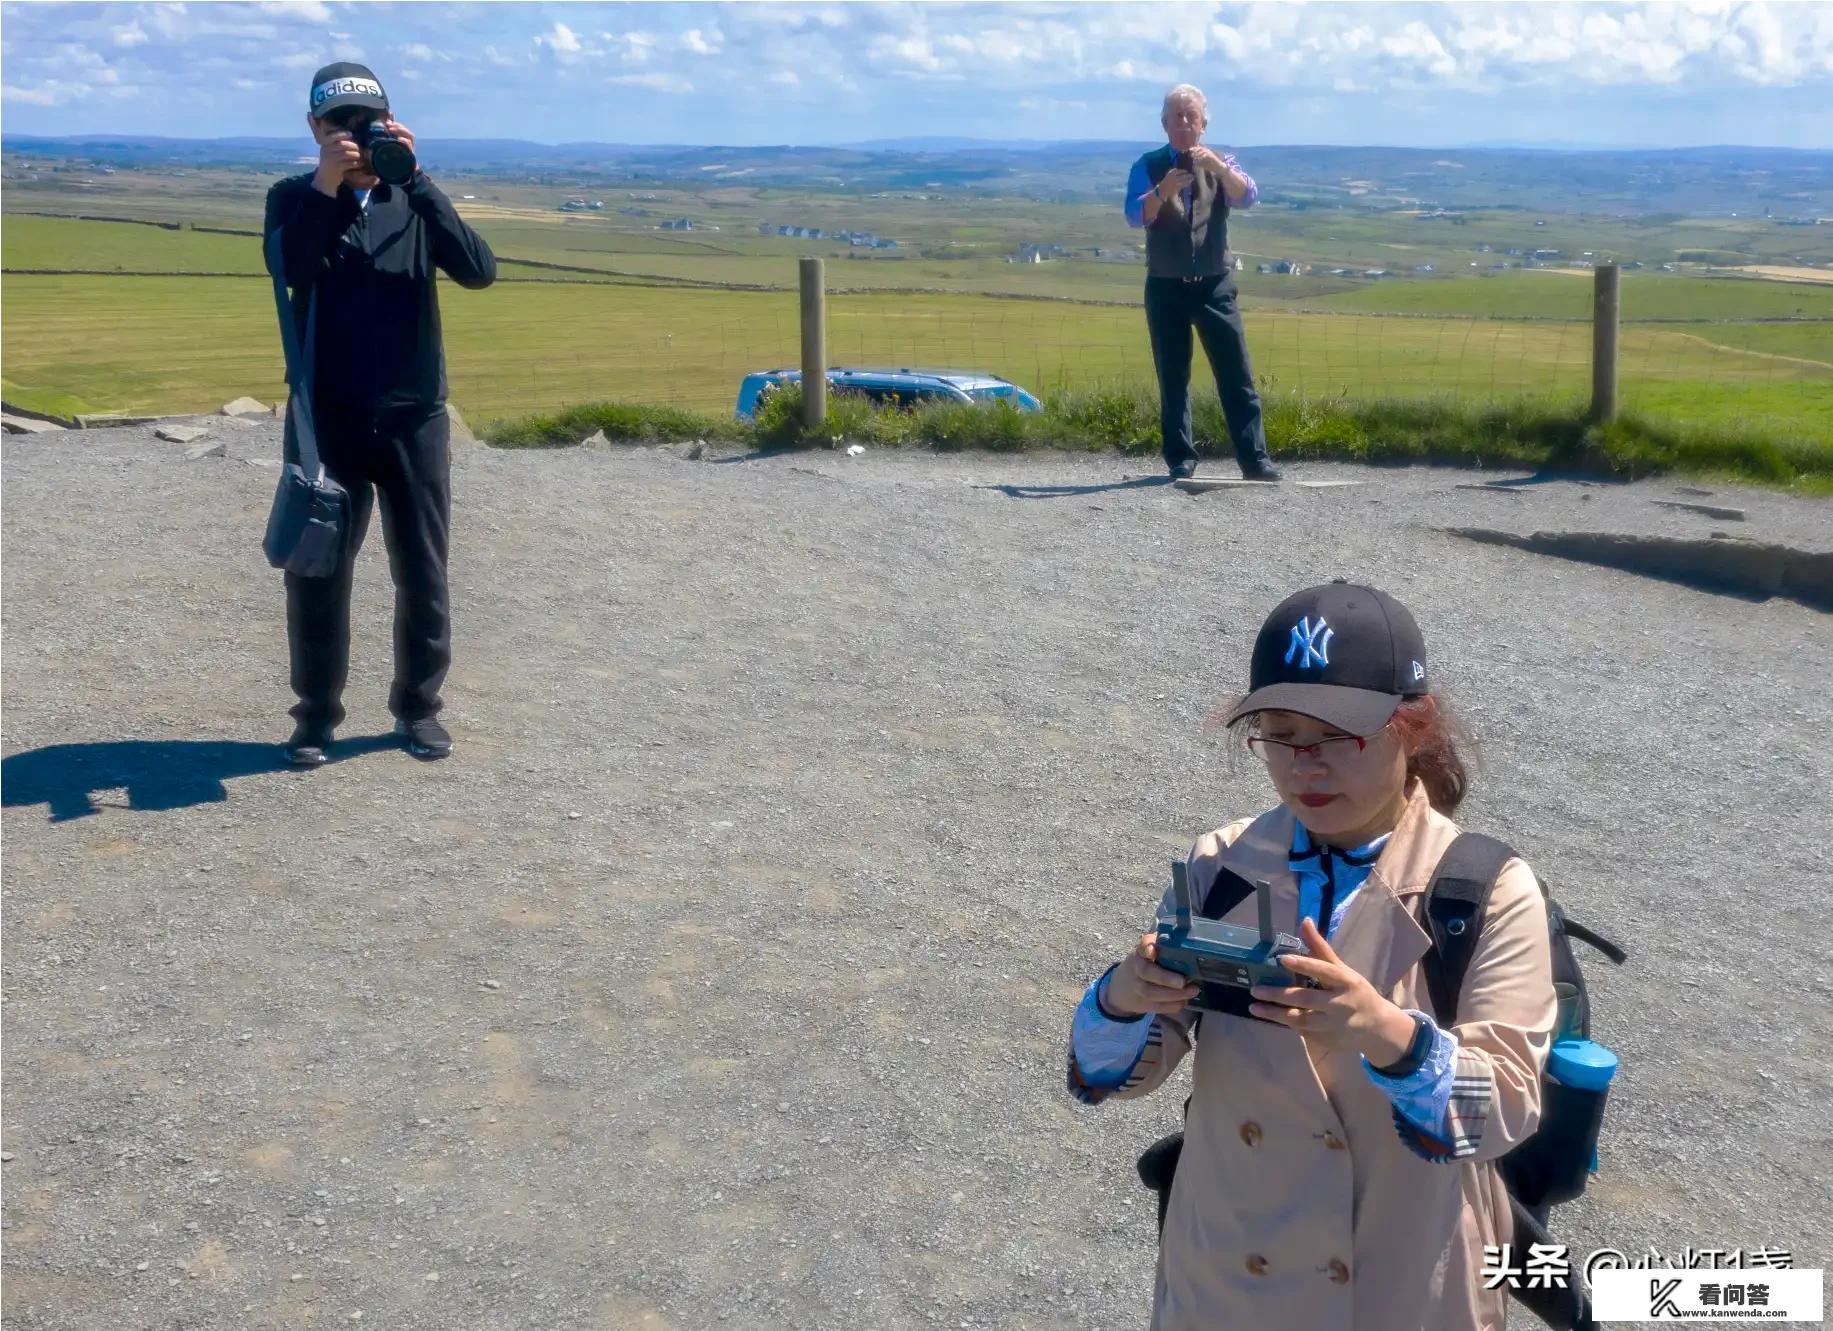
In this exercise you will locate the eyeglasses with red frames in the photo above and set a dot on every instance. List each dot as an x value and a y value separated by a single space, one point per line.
1336 748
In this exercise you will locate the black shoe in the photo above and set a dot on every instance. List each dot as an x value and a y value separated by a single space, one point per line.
1184 470
425 737
1266 471
307 746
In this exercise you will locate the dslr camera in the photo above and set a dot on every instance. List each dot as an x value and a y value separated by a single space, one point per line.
391 160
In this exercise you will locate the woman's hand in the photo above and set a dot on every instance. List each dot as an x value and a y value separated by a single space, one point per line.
1139 985
1343 1012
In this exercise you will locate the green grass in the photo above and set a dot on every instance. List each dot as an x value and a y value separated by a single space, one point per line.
46 242
621 422
1524 434
1558 295
187 344
46 400
1801 341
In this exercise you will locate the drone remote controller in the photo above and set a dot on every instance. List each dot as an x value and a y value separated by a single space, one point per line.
1219 957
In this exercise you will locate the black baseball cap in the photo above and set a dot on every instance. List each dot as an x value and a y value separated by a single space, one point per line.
346 84
1343 653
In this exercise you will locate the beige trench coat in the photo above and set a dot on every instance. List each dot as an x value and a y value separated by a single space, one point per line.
1297 1203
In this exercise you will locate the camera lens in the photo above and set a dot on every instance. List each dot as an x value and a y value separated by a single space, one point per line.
391 160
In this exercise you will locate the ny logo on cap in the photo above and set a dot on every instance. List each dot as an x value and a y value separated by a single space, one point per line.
1310 643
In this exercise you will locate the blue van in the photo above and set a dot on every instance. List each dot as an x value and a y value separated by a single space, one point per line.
903 387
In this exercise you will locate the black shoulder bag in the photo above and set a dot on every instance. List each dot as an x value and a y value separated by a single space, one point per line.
311 513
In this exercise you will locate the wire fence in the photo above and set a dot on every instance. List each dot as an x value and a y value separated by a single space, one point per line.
178 341
691 348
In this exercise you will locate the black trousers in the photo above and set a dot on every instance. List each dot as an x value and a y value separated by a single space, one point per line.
1173 306
402 456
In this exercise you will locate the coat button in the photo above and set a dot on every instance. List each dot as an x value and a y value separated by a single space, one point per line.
1256 1264
1250 1133
1333 1142
1339 1273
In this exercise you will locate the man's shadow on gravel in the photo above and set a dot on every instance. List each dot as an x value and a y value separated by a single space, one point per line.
158 774
1069 491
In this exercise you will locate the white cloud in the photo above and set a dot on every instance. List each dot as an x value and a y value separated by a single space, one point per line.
312 11
561 40
913 52
1417 44
1086 63
633 48
655 82
1399 46
47 95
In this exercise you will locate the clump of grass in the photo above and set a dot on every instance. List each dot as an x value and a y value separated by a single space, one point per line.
1533 434
624 422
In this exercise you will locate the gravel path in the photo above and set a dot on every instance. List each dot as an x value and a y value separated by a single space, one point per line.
722 975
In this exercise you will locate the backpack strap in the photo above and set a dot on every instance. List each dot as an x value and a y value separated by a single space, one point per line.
1455 903
1584 935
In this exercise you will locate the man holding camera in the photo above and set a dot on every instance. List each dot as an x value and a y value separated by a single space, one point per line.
361 238
1181 194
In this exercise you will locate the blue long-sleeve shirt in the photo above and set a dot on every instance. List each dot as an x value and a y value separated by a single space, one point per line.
1139 184
1106 1049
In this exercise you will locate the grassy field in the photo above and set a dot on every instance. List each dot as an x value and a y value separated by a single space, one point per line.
186 343
587 242
1566 294
45 242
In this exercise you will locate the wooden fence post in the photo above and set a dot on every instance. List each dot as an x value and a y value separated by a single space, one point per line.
1604 308
814 345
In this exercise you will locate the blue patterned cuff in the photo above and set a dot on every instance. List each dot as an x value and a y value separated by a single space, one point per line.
1104 1050
1422 1095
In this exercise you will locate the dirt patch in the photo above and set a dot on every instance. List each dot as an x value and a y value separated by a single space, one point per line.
1788 272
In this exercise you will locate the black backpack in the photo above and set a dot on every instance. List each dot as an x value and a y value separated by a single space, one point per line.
1551 1166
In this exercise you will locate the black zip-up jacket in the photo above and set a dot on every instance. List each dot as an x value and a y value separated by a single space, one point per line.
379 344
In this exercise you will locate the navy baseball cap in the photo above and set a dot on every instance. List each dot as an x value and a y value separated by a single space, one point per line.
346 84
1345 654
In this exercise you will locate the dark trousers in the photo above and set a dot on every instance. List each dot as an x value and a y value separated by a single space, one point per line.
1172 307
402 456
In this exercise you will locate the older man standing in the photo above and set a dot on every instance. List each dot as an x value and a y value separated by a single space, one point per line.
1181 194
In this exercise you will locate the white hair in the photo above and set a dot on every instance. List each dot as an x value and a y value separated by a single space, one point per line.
1184 92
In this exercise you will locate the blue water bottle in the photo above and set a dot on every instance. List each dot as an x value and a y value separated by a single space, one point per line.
1579 1073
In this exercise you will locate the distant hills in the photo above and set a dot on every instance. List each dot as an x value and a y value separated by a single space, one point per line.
1706 180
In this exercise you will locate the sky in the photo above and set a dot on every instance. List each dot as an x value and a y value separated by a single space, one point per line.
1400 74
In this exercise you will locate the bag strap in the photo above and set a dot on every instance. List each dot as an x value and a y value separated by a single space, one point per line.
1455 902
298 359
1576 930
